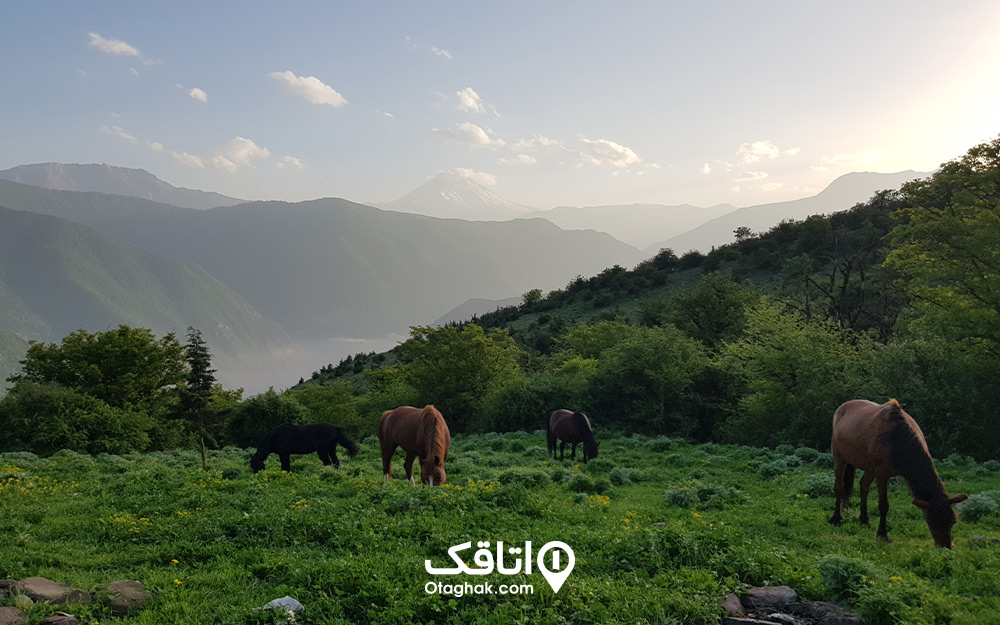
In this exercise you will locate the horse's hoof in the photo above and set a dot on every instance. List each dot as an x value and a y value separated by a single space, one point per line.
835 521
885 539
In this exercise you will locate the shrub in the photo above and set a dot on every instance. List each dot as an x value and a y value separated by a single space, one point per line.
681 498
976 507
843 576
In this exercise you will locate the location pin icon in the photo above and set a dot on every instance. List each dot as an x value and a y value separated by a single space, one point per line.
558 574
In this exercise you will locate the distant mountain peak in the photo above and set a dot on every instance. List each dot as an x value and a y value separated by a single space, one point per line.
456 194
104 178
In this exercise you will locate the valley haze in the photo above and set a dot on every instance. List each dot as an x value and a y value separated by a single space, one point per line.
281 289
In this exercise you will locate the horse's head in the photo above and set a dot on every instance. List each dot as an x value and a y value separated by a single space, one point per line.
432 470
940 517
256 464
591 450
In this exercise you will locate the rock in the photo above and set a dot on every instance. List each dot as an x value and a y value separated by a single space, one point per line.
762 597
11 615
978 540
286 603
827 613
732 605
659 524
734 620
61 618
781 617
124 595
41 589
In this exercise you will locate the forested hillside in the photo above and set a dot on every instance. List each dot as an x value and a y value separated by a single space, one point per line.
755 342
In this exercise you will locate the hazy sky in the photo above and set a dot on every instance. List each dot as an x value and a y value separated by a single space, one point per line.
550 103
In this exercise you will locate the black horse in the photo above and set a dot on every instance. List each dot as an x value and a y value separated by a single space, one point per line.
286 440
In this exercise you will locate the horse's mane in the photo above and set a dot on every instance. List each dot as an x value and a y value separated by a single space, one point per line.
909 457
583 429
431 422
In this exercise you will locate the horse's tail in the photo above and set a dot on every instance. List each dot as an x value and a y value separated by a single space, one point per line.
848 482
347 443
550 436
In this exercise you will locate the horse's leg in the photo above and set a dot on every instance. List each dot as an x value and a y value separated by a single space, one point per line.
572 455
882 483
839 466
333 457
324 456
408 465
286 462
866 483
562 450
387 463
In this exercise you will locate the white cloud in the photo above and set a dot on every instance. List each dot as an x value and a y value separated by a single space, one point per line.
604 152
310 88
440 52
479 177
290 162
706 169
198 94
115 131
540 145
848 160
156 146
469 101
113 46
471 134
389 115
792 151
758 151
519 159
771 187
133 71
237 154
749 176
189 160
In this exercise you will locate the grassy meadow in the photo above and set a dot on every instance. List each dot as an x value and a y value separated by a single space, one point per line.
212 546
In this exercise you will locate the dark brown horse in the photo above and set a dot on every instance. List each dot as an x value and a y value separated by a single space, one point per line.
287 439
422 433
883 441
571 427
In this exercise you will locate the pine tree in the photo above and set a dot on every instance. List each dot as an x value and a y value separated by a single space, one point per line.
196 395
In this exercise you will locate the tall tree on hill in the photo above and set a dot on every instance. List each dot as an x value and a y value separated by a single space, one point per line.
196 395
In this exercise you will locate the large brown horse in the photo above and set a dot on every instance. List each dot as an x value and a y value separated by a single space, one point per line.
571 427
422 433
883 441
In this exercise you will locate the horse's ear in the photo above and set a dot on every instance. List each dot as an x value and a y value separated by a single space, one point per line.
920 503
957 499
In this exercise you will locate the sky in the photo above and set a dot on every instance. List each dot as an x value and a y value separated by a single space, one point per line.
547 103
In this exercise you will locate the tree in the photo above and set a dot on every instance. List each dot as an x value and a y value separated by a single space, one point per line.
196 396
946 248
454 368
255 416
794 373
125 367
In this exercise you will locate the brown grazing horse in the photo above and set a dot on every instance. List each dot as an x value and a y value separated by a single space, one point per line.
883 441
571 427
421 432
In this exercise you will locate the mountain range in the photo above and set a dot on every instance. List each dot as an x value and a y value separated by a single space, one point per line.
267 282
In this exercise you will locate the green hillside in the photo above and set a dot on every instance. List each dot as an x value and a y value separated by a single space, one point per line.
334 268
57 277
755 342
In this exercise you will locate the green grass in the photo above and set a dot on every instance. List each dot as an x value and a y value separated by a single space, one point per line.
213 546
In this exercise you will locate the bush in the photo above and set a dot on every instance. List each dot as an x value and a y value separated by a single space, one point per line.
844 576
976 507
681 498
